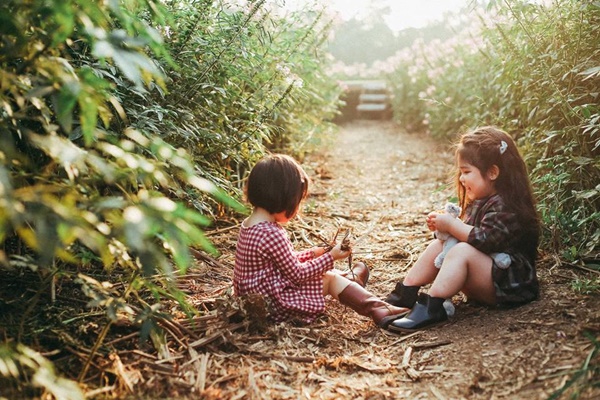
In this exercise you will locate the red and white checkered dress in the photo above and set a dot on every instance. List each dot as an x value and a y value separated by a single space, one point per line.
266 263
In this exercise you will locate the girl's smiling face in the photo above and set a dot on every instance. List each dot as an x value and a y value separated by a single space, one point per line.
477 184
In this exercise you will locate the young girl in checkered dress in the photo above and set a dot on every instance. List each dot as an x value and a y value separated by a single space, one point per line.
294 282
498 216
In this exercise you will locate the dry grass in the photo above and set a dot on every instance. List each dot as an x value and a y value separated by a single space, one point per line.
380 182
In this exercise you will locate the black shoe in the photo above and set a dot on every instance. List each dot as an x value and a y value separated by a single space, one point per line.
403 296
427 311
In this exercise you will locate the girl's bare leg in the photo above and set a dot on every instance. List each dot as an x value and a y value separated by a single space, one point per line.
424 271
468 270
334 284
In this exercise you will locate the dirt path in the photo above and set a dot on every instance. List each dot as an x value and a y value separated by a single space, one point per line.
381 182
391 179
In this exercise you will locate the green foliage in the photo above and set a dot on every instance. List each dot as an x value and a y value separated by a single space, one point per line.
246 81
127 127
584 378
586 286
19 364
533 70
66 179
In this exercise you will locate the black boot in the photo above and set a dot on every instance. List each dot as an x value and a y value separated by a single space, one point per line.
426 312
403 296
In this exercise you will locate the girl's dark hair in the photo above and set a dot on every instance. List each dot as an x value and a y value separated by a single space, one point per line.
277 183
483 148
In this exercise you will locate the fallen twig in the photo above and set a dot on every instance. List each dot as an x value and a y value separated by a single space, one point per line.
428 345
410 371
222 230
581 267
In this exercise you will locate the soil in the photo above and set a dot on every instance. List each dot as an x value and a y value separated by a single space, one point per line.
381 182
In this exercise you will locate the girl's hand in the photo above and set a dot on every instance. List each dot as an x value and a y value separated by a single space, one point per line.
439 221
447 223
337 253
431 221
443 222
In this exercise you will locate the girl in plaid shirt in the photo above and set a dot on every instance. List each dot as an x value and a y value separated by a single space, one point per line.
295 283
498 216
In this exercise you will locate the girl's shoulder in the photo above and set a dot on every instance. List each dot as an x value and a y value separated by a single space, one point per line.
261 228
493 203
494 200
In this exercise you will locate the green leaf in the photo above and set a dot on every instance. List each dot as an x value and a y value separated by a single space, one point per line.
65 103
590 72
588 194
64 18
88 118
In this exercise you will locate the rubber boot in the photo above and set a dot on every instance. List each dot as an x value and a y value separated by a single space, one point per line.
360 274
403 296
365 303
426 312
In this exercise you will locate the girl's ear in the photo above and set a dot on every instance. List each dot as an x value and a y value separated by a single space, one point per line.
493 172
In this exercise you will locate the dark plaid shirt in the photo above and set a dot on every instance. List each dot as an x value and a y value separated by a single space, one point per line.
498 230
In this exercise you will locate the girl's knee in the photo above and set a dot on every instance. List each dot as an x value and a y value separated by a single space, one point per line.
462 248
435 245
328 276
334 283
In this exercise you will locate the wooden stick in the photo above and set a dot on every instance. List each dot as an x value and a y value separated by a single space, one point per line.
201 380
410 371
305 238
403 338
406 357
300 359
146 355
582 268
428 345
215 336
206 258
222 230
131 335
93 393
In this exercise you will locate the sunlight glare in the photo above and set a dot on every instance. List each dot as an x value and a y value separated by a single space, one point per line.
403 13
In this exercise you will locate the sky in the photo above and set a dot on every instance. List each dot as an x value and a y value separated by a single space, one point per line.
404 13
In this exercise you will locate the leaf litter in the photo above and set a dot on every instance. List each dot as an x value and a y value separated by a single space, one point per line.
379 182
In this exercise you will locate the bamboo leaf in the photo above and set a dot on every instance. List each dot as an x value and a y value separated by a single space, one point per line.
590 73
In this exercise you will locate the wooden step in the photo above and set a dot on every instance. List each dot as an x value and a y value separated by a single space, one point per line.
373 98
368 107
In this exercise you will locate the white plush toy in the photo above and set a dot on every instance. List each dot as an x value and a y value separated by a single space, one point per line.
502 260
445 237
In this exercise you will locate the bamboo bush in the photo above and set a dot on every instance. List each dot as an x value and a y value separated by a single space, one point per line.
533 70
126 129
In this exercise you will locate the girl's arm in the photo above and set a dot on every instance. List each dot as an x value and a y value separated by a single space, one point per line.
311 253
337 253
280 250
496 230
447 223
